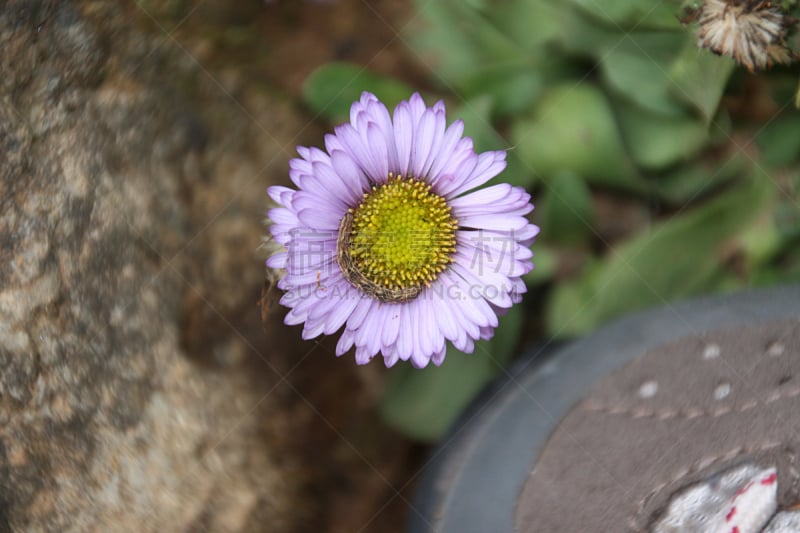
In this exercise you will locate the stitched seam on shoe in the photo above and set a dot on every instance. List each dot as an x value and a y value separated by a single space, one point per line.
688 413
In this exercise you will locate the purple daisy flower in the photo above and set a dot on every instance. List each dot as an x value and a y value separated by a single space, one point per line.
384 237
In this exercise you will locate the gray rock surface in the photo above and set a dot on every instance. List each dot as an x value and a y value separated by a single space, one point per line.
131 202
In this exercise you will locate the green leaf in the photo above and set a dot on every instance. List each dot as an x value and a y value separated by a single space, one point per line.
573 129
779 140
632 14
666 73
787 219
581 35
699 79
567 211
637 67
333 87
656 141
696 180
476 115
476 4
678 258
760 241
777 275
423 404
545 261
513 88
797 97
571 308
531 24
456 41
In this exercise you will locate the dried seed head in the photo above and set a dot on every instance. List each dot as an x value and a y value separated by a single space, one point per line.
752 32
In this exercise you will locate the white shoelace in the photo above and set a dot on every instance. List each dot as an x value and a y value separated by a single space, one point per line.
743 499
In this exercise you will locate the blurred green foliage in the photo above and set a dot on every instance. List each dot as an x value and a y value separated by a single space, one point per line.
597 99
331 89
423 405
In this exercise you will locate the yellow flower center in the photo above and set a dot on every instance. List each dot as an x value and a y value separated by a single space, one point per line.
399 239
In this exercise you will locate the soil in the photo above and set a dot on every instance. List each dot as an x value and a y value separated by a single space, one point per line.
357 474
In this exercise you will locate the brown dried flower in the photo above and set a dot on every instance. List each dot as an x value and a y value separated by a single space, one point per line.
752 32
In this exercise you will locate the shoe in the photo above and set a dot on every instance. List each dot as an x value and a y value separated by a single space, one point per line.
661 422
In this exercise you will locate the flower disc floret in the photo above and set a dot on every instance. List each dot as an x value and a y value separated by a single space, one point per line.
401 237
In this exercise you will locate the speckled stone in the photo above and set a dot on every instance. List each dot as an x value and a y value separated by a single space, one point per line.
109 173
